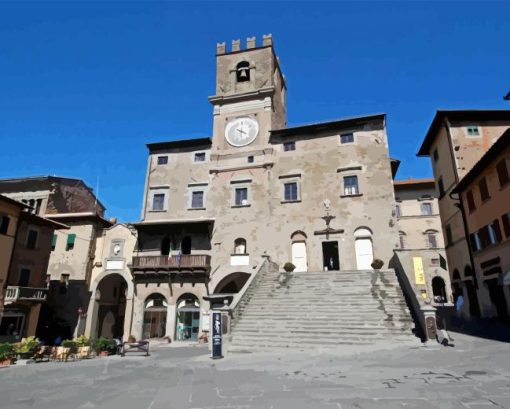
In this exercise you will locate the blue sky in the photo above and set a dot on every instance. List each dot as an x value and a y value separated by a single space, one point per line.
84 86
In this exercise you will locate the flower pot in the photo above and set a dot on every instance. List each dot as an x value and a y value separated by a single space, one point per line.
6 362
103 353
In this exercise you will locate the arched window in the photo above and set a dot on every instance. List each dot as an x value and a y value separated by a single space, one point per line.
240 246
431 238
456 275
402 237
154 316
363 232
243 71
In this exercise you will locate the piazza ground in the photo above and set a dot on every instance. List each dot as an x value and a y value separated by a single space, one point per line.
473 374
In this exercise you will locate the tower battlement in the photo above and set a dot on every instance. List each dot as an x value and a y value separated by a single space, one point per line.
251 42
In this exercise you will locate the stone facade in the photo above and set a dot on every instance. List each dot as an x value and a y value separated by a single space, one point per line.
421 236
456 140
319 196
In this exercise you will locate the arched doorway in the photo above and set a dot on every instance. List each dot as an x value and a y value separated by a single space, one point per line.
363 248
111 299
186 245
439 290
231 284
188 318
154 316
299 257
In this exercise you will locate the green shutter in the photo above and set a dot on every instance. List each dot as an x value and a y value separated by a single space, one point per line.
442 262
54 240
71 239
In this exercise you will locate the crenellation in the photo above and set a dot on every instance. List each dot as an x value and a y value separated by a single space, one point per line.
221 48
267 39
251 42
236 45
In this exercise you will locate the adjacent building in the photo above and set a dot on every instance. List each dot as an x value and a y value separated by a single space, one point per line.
455 142
71 202
421 244
485 196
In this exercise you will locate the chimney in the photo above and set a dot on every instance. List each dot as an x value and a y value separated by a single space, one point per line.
251 42
221 48
267 39
236 45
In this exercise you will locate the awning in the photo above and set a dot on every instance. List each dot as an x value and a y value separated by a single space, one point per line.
173 221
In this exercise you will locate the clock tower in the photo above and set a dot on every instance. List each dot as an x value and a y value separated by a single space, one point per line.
250 97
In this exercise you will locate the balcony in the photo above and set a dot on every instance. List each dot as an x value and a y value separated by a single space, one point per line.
15 293
185 262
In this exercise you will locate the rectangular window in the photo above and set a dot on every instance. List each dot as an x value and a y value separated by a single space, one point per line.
197 199
475 242
162 160
440 186
502 173
432 240
289 146
53 242
199 157
158 201
38 204
290 192
71 238
4 224
241 196
434 261
402 241
449 238
251 159
473 130
24 277
436 155
426 209
31 239
506 224
398 211
484 191
470 201
492 234
351 185
347 138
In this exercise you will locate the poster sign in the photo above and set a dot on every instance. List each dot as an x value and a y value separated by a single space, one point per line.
419 275
216 335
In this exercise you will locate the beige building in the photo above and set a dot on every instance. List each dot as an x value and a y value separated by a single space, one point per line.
455 141
319 196
421 239
71 202
485 195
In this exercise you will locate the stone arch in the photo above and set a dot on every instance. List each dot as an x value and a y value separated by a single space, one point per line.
439 289
298 235
155 310
363 247
124 274
110 301
187 322
233 283
456 275
363 231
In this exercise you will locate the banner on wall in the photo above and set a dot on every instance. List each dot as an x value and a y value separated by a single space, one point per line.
419 274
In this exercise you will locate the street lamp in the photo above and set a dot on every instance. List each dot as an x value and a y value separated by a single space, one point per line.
507 97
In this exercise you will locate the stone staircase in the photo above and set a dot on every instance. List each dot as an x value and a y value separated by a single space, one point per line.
322 309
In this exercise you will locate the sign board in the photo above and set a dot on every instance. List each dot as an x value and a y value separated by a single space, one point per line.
205 322
216 335
419 275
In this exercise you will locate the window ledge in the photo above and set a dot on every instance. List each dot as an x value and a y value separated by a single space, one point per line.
356 195
156 211
239 254
291 201
486 200
246 205
505 185
196 208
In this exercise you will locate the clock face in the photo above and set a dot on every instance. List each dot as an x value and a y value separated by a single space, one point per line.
241 131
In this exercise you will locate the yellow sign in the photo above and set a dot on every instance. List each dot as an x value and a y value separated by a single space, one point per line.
419 275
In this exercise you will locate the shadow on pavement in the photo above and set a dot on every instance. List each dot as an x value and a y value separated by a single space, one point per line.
493 329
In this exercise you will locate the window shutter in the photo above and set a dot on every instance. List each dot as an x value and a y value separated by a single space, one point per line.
506 224
497 230
71 238
54 241
442 262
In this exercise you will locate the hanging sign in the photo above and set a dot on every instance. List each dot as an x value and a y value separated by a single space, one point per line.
419 275
216 336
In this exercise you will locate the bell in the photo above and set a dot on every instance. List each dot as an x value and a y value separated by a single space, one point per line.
243 74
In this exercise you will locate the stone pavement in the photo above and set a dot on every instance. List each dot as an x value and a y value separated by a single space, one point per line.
473 374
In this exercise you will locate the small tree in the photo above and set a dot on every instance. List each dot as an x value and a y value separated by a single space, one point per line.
289 267
377 264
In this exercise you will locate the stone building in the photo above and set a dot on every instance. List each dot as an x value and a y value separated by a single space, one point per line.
455 141
319 196
71 202
421 244
485 195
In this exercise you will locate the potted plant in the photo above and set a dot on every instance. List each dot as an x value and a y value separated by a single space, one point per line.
83 346
26 348
377 264
104 346
289 267
6 354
